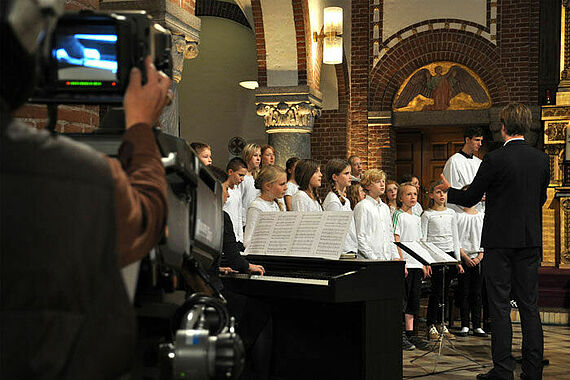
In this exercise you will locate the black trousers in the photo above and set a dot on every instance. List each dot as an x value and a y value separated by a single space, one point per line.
514 271
469 295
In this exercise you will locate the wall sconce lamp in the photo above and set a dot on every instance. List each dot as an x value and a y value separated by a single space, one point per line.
331 35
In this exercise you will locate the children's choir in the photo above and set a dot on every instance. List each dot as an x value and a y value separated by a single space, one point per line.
384 212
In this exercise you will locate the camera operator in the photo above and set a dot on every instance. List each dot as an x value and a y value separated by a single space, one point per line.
69 218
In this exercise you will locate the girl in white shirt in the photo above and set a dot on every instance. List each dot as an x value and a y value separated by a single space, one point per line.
292 186
439 226
407 228
372 220
308 176
272 182
251 154
339 177
267 155
391 195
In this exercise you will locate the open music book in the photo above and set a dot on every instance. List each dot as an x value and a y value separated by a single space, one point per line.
300 234
425 253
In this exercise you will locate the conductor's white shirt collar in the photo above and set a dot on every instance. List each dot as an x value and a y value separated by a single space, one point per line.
515 139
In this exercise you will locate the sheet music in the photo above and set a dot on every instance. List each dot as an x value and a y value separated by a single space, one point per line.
263 230
306 234
335 225
279 242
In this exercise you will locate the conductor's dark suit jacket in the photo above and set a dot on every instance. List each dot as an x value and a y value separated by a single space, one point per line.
514 178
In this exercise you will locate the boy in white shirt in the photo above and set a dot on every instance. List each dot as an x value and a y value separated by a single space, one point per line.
236 170
372 220
407 228
470 226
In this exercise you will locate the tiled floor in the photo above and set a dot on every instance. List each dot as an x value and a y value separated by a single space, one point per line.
556 350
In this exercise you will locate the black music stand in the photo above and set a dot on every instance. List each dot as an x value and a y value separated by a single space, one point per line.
440 344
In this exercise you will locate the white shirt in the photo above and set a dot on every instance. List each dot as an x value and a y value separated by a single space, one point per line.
292 188
248 194
258 206
460 171
469 227
440 228
374 230
409 228
417 209
302 202
332 203
234 209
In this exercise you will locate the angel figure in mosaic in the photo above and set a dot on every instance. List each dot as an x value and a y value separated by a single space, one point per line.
455 88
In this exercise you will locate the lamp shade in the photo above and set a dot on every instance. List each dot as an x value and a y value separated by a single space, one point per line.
332 50
333 21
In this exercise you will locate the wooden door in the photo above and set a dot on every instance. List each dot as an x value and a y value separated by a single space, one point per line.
424 153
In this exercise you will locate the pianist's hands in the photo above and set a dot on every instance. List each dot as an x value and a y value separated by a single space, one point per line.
226 270
256 269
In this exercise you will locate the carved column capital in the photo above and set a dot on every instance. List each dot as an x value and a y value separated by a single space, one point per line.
281 117
182 48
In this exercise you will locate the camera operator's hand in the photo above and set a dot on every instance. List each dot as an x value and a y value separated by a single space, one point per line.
144 104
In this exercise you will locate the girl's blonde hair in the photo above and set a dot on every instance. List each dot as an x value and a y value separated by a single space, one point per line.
432 187
303 173
269 174
401 192
370 176
353 193
335 166
247 154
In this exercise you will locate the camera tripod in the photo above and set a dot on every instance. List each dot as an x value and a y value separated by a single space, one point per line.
443 341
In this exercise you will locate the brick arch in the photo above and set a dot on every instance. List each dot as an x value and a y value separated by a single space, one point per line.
452 45
303 41
221 9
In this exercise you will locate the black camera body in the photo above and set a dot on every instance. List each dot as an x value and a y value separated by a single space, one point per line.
89 56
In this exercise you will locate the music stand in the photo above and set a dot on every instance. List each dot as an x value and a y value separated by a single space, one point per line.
428 254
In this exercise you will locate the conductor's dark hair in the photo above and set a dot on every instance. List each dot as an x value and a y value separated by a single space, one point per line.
235 164
516 117
220 175
472 131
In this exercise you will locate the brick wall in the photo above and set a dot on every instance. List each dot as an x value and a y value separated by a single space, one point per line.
329 137
260 42
359 73
188 5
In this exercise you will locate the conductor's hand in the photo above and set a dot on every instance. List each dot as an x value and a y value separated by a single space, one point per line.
257 269
144 104
445 185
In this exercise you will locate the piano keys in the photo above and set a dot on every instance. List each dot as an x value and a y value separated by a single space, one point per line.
332 319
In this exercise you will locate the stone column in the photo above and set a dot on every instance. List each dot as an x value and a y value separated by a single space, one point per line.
289 127
185 29
182 49
289 114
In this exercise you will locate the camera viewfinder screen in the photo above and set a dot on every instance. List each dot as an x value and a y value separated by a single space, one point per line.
86 55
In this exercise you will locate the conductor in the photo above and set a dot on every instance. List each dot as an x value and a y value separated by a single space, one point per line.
515 178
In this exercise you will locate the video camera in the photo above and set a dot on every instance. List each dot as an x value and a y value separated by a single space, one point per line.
88 57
